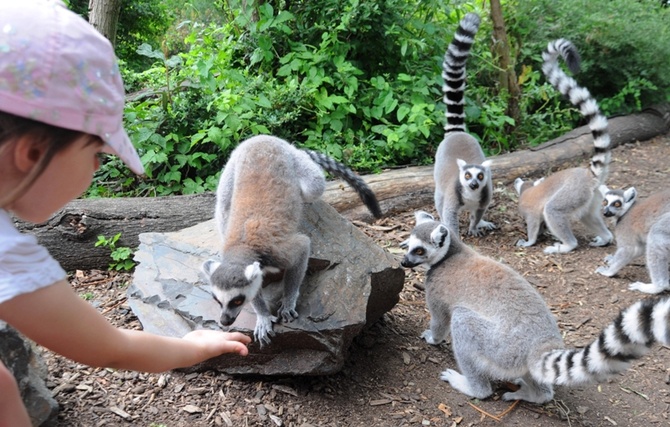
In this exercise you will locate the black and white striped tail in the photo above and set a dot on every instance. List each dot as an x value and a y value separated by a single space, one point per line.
453 72
627 338
579 97
356 182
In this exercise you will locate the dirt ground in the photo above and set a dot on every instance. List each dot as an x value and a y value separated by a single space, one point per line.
392 376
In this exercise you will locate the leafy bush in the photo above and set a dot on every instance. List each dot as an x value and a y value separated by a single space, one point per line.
624 45
361 81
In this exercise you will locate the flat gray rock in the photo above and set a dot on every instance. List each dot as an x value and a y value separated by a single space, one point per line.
351 282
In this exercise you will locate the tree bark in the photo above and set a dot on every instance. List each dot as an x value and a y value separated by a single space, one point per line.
70 235
104 16
501 50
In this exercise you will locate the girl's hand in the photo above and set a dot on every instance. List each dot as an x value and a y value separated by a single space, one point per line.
215 343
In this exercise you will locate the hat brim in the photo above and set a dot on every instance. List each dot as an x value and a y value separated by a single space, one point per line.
120 145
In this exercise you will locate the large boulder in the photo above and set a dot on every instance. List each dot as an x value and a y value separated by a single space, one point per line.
351 282
27 366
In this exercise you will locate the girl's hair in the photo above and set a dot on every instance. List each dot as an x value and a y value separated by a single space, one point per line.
53 138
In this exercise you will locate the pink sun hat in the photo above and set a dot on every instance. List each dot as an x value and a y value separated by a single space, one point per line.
58 69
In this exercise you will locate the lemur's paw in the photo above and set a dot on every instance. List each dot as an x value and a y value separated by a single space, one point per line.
263 330
647 288
428 336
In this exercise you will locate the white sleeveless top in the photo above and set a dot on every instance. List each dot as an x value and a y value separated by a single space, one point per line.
25 265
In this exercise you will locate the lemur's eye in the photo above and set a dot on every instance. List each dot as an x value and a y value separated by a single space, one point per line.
467 175
419 251
617 204
480 176
604 202
236 302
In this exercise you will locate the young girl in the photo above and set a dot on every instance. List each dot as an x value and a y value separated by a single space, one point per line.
61 105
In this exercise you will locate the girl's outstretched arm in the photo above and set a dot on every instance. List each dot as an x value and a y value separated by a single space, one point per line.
58 319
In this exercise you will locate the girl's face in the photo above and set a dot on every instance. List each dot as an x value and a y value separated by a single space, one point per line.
67 176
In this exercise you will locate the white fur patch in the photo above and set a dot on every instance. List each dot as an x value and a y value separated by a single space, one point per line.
422 216
660 321
253 272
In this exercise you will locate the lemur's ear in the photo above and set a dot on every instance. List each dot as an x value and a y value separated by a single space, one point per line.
208 267
253 271
423 216
439 235
603 189
630 195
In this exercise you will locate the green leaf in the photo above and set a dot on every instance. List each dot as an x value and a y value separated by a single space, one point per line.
402 112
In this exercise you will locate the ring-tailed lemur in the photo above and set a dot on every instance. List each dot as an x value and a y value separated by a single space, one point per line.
259 205
571 194
641 227
501 328
462 173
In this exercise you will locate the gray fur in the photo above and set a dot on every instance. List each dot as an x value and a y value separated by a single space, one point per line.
462 173
571 194
260 199
643 228
502 330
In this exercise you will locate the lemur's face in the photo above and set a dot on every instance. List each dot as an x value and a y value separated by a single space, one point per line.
232 285
617 202
428 242
473 177
613 204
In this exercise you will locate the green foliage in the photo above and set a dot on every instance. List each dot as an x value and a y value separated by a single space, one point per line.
624 45
140 21
361 81
87 296
121 255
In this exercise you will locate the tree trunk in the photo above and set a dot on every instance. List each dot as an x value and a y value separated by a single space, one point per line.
70 235
104 16
501 50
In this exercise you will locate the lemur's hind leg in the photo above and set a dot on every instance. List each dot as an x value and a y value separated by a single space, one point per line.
595 223
658 258
310 177
224 193
531 391
534 227
559 225
467 342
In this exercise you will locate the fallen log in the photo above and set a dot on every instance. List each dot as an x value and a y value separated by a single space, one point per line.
71 233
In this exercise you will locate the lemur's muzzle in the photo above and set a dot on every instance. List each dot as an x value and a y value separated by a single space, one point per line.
227 320
407 263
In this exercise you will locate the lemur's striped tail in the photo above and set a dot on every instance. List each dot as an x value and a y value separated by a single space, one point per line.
453 72
581 98
356 182
627 338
